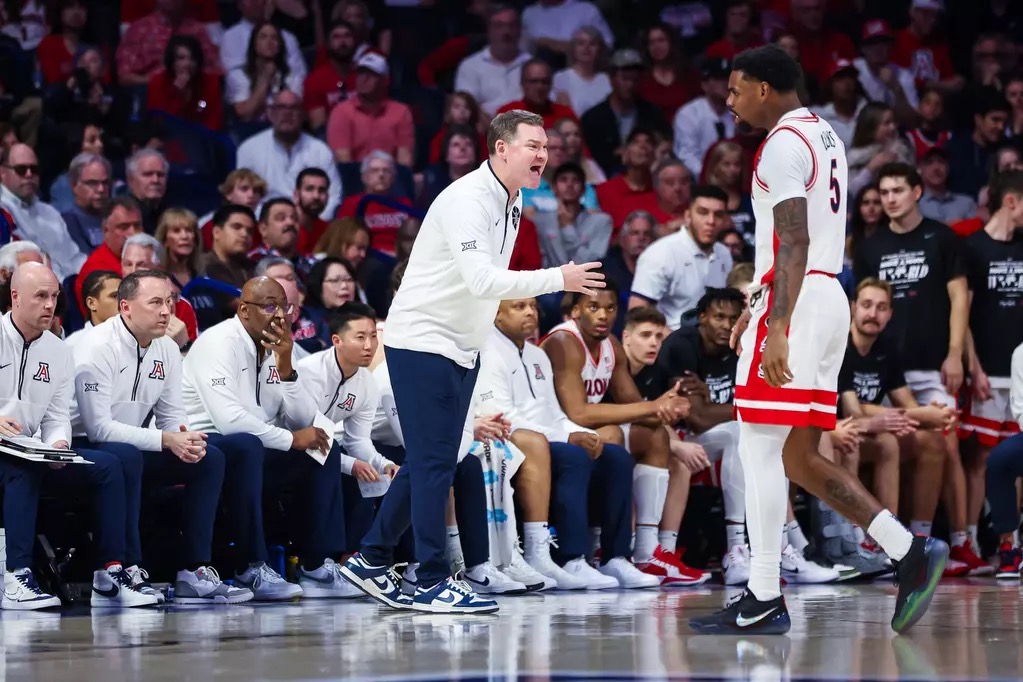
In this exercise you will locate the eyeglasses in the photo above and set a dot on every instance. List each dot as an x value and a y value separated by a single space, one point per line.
271 308
23 169
338 280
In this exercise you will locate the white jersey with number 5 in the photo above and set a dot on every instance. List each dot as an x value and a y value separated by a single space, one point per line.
802 156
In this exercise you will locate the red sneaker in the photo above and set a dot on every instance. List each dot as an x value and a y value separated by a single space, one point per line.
966 554
669 568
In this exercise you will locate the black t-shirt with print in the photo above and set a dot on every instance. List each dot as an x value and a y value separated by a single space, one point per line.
651 382
871 376
683 351
918 264
996 314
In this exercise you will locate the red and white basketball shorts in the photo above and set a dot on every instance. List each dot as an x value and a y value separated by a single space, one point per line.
817 334
991 420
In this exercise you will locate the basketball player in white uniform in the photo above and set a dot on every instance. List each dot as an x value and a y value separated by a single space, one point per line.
793 338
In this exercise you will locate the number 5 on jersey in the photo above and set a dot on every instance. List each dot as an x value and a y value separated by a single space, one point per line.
836 190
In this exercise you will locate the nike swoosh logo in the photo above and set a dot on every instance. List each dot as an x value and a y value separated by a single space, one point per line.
5 366
447 598
484 582
322 581
122 370
744 622
244 368
382 583
111 593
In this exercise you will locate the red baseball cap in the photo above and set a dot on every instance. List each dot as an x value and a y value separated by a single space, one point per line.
840 65
876 29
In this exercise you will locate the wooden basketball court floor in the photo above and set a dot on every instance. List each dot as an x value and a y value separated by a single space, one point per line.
973 631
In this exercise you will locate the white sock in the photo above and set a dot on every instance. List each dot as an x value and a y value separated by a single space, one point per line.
858 535
920 528
893 537
760 448
735 534
668 540
959 538
646 543
536 533
1015 538
649 490
795 537
454 544
972 532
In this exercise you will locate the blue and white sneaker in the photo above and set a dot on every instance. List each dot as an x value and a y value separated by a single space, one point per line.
22 592
451 596
378 582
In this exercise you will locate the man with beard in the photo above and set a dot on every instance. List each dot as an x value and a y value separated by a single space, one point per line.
278 227
333 81
312 189
590 364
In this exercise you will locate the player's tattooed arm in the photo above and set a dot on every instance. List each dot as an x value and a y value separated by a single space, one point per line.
792 231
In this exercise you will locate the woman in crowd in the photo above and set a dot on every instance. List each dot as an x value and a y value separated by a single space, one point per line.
178 233
876 141
68 20
331 284
250 87
572 134
867 215
461 156
669 81
183 88
461 110
724 167
583 84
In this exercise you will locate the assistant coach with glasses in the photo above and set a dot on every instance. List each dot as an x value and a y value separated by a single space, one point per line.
443 313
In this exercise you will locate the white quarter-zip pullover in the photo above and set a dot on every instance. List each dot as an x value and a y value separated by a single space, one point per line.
227 389
351 403
36 383
118 384
457 274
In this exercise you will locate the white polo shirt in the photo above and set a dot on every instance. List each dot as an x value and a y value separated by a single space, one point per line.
674 273
491 82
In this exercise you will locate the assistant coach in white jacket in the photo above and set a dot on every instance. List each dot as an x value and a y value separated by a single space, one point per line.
239 380
441 316
127 369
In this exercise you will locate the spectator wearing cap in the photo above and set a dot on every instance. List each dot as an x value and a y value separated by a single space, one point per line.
705 120
537 82
279 154
583 85
819 46
882 80
923 50
740 33
613 121
550 24
937 202
234 44
844 100
493 76
142 47
371 120
570 232
333 81
970 155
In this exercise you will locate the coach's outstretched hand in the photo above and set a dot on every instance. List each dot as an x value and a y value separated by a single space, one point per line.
582 278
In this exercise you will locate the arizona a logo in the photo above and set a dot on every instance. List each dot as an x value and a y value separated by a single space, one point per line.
43 373
157 372
348 403
274 377
539 372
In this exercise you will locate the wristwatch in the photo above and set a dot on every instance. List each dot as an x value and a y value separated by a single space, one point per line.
291 377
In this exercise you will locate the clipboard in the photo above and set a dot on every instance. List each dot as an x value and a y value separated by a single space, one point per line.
35 450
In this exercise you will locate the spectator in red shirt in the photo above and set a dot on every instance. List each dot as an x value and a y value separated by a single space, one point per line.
121 219
241 187
740 34
311 191
143 44
204 11
461 110
537 81
56 52
332 82
183 89
819 47
668 82
922 50
371 120
632 190
378 175
672 184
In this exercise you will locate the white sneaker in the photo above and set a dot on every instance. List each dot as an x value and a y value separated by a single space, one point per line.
140 581
543 564
267 585
627 575
326 582
521 572
204 586
579 569
736 565
22 592
114 587
486 579
795 568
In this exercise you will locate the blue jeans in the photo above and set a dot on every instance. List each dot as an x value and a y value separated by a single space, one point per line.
432 394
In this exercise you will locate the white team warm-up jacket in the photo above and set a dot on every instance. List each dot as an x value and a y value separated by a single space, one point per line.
36 383
520 384
350 403
227 389
118 384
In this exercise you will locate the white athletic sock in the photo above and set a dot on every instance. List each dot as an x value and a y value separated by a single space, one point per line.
760 447
1015 538
536 533
795 537
646 543
735 533
920 528
893 537
959 538
972 532
668 540
454 544
649 490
